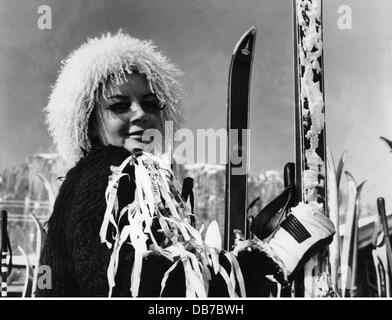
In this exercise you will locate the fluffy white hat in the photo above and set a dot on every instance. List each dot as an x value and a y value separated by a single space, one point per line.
109 57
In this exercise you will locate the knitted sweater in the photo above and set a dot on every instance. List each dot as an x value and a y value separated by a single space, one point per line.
79 261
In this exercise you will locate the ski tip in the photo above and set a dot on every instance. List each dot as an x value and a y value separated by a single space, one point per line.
362 184
346 172
387 141
251 32
349 175
343 156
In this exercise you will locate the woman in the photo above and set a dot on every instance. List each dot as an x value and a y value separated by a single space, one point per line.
119 226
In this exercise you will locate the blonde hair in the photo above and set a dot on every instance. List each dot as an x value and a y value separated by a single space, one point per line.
97 61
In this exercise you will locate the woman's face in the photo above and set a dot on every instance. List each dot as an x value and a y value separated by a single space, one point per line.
127 112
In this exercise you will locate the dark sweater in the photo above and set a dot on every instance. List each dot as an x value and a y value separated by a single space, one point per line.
79 261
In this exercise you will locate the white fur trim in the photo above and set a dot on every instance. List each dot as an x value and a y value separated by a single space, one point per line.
97 60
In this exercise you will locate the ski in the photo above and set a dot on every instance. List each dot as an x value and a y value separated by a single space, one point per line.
354 266
333 207
350 241
238 139
339 170
310 136
49 189
347 251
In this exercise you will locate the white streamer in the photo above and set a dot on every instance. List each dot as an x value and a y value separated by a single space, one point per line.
157 198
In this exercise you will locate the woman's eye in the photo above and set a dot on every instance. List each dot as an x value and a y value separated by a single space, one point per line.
152 105
119 107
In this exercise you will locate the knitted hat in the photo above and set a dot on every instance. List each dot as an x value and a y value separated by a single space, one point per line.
106 58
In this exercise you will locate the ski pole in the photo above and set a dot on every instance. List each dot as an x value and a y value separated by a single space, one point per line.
187 192
4 246
289 180
384 223
248 233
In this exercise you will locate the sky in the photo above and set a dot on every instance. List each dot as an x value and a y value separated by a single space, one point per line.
199 36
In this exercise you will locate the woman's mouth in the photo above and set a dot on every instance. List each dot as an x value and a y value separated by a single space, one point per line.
137 135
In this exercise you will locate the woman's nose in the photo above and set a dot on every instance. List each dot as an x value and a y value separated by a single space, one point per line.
138 113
